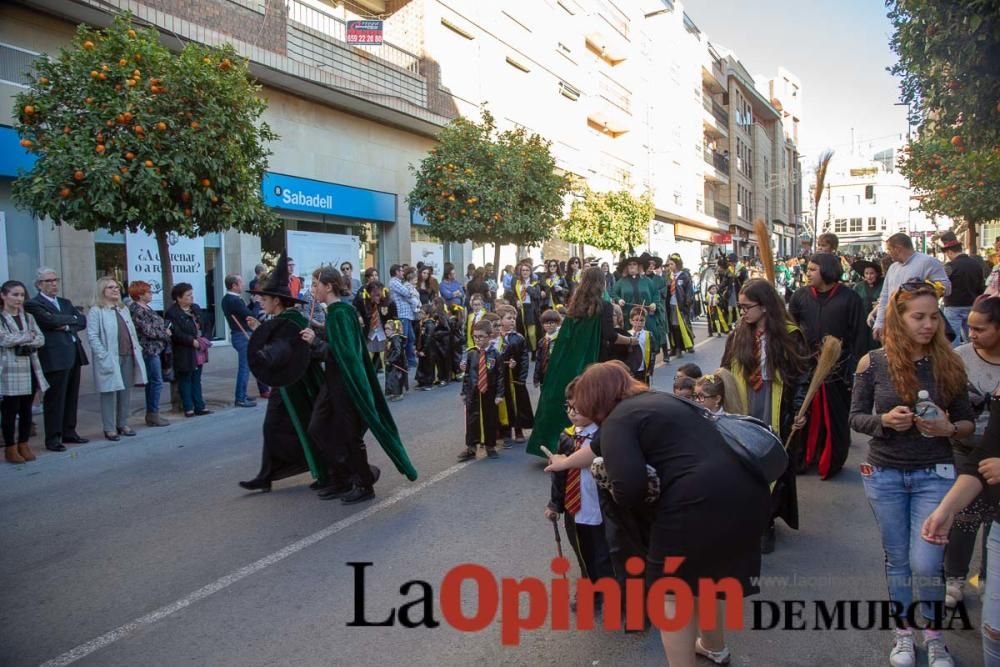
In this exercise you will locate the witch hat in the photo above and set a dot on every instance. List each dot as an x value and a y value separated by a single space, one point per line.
276 283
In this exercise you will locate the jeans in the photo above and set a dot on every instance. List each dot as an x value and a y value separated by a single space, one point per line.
154 382
240 342
958 318
115 404
411 343
991 601
901 501
189 387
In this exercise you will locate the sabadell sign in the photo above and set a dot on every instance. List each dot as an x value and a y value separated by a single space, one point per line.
305 194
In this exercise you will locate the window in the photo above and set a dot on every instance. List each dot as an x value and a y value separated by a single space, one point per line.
840 226
883 224
855 224
873 224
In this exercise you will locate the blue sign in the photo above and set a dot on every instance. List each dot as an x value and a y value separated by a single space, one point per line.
418 219
304 194
12 155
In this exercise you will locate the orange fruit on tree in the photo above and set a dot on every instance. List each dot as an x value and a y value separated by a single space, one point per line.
130 83
129 156
102 76
26 143
225 64
956 140
67 129
88 45
123 170
78 175
131 34
88 100
136 74
206 60
122 62
194 125
187 213
116 178
28 109
94 74
161 126
205 183
138 57
107 123
118 87
138 129
148 163
215 200
44 80
65 192
100 148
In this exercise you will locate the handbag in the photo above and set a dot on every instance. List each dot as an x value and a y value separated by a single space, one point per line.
201 353
758 448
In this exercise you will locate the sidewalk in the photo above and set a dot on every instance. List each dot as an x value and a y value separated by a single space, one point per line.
218 380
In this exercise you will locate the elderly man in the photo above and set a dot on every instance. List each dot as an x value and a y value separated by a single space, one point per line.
907 265
61 358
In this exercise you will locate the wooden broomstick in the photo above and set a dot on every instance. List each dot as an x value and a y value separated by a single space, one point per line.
829 355
239 326
764 247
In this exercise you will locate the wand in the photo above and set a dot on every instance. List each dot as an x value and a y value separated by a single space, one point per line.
555 530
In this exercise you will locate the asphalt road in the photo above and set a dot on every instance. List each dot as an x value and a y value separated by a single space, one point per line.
146 552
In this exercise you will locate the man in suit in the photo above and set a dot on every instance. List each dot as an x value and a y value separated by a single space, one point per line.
61 357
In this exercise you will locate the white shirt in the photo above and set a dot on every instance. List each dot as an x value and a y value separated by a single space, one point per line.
590 505
641 337
54 301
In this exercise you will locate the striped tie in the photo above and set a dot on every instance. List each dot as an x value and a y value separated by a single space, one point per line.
573 500
482 379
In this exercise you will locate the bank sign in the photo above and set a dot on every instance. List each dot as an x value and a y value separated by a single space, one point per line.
304 194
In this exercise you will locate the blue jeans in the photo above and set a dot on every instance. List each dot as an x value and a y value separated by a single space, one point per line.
154 382
189 387
958 318
991 600
901 501
411 343
240 342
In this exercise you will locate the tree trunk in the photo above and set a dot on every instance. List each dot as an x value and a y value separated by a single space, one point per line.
972 245
166 287
496 266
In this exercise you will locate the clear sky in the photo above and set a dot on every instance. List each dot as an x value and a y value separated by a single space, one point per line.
839 50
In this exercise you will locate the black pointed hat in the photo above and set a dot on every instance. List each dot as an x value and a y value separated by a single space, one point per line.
276 282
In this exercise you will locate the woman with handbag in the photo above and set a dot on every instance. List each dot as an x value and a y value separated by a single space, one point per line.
189 347
154 338
117 355
20 371
698 472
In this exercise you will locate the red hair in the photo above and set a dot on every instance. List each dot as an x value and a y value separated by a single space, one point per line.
601 387
137 288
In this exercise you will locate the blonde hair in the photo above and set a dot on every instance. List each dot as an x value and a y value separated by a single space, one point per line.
99 299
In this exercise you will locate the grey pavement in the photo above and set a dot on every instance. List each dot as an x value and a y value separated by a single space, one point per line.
156 527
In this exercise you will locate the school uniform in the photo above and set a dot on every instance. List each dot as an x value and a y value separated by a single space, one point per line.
480 396
426 357
542 356
574 495
717 323
517 401
397 379
639 355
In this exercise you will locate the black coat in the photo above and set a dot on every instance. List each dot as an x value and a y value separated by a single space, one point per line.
62 349
184 329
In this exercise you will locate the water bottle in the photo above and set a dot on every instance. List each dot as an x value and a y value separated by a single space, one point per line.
926 409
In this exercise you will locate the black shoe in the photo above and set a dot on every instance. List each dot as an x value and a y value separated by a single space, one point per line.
203 411
468 454
315 486
376 473
249 403
335 491
491 453
358 494
125 430
57 447
113 437
73 440
767 540
257 485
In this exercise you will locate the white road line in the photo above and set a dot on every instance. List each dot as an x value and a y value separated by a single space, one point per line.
123 631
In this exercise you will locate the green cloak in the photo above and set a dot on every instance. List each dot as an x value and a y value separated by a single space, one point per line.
656 324
299 399
648 294
577 346
347 346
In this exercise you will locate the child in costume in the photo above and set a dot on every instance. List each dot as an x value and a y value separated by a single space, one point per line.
514 355
692 371
639 355
477 309
397 378
456 320
717 323
444 357
710 391
684 387
426 359
483 390
551 319
575 496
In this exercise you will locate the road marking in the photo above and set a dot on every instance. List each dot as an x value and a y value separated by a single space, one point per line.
123 631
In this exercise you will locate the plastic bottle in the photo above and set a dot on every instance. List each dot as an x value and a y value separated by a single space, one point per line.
926 409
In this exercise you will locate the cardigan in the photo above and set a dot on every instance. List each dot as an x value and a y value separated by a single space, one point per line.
151 328
102 333
16 371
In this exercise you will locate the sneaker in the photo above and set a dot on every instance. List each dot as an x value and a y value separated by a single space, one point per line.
491 452
954 592
467 454
507 444
937 654
903 653
358 494
248 403
718 657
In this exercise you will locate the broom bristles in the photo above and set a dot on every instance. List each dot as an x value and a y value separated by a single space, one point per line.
764 246
829 355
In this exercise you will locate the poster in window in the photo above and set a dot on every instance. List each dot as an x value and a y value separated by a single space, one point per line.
187 263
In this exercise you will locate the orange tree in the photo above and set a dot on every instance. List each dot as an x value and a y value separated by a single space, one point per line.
949 65
617 221
485 186
130 136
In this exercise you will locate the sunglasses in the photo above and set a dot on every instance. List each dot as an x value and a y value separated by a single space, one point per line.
918 286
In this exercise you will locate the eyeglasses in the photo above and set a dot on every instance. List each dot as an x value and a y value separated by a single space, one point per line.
700 398
570 408
49 280
745 307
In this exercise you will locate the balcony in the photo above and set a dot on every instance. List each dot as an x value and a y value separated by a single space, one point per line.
714 117
719 211
719 164
318 39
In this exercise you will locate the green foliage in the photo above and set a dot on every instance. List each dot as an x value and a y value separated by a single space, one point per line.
615 221
488 187
949 63
131 136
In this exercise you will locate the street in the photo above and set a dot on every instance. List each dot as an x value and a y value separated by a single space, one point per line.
147 552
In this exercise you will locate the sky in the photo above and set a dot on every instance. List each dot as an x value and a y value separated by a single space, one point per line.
840 52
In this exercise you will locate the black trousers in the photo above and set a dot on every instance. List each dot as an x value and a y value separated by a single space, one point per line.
338 431
16 409
60 404
591 548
